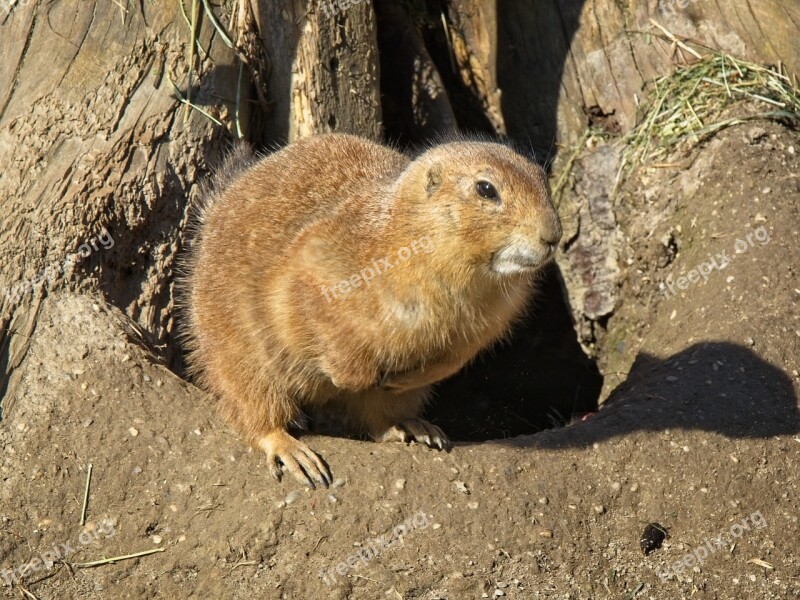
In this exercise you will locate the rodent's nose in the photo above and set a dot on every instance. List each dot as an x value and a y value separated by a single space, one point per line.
550 245
550 240
551 235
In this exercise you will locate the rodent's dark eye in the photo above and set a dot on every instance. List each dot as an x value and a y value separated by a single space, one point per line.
487 190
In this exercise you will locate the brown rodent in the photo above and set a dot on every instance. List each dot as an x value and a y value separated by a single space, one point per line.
337 272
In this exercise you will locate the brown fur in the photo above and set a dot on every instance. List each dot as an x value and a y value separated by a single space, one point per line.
266 341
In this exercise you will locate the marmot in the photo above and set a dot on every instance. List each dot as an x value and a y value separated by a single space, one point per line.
343 274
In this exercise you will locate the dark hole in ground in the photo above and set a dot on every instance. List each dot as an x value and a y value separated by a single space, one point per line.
539 379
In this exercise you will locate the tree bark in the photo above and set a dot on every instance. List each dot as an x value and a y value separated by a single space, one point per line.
325 73
99 159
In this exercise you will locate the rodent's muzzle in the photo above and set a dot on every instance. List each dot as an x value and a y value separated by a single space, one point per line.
527 251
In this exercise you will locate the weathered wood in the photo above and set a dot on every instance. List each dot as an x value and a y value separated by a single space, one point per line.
325 73
415 102
472 35
541 68
98 162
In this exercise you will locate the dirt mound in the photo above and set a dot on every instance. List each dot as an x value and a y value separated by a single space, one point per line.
700 435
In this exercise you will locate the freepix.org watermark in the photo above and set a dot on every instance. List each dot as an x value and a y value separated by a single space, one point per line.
373 548
57 553
54 269
699 555
718 262
668 6
379 267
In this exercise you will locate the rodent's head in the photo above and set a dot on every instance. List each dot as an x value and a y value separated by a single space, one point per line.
485 203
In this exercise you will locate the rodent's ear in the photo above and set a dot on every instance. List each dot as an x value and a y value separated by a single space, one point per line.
433 179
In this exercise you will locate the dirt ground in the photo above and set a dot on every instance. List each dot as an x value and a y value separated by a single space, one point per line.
700 433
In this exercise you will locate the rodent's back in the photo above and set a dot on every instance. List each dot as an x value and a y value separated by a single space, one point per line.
300 184
244 239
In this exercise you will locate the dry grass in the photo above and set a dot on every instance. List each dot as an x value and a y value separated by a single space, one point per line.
689 104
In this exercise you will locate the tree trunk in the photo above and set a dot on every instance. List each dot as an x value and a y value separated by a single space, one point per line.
543 70
324 74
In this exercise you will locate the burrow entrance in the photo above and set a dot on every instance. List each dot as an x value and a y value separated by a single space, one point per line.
538 379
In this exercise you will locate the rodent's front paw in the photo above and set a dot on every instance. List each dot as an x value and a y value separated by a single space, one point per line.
418 430
297 458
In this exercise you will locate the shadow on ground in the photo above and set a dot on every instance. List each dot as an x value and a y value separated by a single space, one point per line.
714 386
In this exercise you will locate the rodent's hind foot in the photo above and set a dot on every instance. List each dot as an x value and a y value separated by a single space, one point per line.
418 430
296 457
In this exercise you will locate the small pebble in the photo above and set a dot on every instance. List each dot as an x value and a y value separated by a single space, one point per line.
671 378
292 497
546 533
400 484
437 525
599 509
461 487
137 470
498 592
543 500
766 190
147 378
157 539
339 482
750 341
333 498
473 505
133 431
